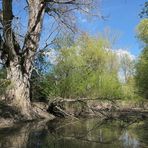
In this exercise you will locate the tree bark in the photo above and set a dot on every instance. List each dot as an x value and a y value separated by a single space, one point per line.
18 92
20 61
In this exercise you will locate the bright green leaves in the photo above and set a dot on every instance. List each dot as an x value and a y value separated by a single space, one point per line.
142 65
87 69
143 31
142 73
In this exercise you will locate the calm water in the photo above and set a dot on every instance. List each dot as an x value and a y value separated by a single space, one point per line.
62 133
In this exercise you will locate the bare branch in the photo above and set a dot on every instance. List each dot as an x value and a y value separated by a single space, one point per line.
68 2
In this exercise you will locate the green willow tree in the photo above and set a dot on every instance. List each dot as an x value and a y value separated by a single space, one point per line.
17 57
85 69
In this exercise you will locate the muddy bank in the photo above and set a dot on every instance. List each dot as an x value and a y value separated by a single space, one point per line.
70 108
10 116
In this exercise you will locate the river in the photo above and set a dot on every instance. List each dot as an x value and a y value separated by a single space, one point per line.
73 133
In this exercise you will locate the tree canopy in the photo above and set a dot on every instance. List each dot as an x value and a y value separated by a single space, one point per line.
142 65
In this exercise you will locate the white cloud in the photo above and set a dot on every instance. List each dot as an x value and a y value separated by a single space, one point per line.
52 56
122 52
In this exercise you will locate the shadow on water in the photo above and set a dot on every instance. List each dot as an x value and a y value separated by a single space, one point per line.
66 133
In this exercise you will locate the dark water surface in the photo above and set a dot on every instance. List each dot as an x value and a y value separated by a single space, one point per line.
66 133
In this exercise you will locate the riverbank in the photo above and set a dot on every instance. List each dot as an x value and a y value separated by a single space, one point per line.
93 107
10 115
66 108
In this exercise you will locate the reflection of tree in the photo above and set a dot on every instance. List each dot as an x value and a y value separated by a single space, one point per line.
71 133
92 133
142 134
19 135
129 139
86 134
15 137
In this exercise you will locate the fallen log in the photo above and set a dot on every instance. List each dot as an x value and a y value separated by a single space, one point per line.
105 109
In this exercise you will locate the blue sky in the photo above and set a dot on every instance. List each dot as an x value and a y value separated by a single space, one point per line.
122 18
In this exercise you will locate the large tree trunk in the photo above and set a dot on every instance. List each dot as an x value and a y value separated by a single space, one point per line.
18 92
20 60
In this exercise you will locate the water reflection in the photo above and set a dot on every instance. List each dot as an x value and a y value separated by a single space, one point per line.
129 140
75 134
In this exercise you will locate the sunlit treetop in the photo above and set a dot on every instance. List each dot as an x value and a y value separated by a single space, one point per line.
143 30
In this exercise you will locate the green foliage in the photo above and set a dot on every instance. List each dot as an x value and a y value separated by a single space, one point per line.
142 64
130 90
85 69
143 31
142 73
42 86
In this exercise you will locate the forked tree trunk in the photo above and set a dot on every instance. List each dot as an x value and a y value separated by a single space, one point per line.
20 60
